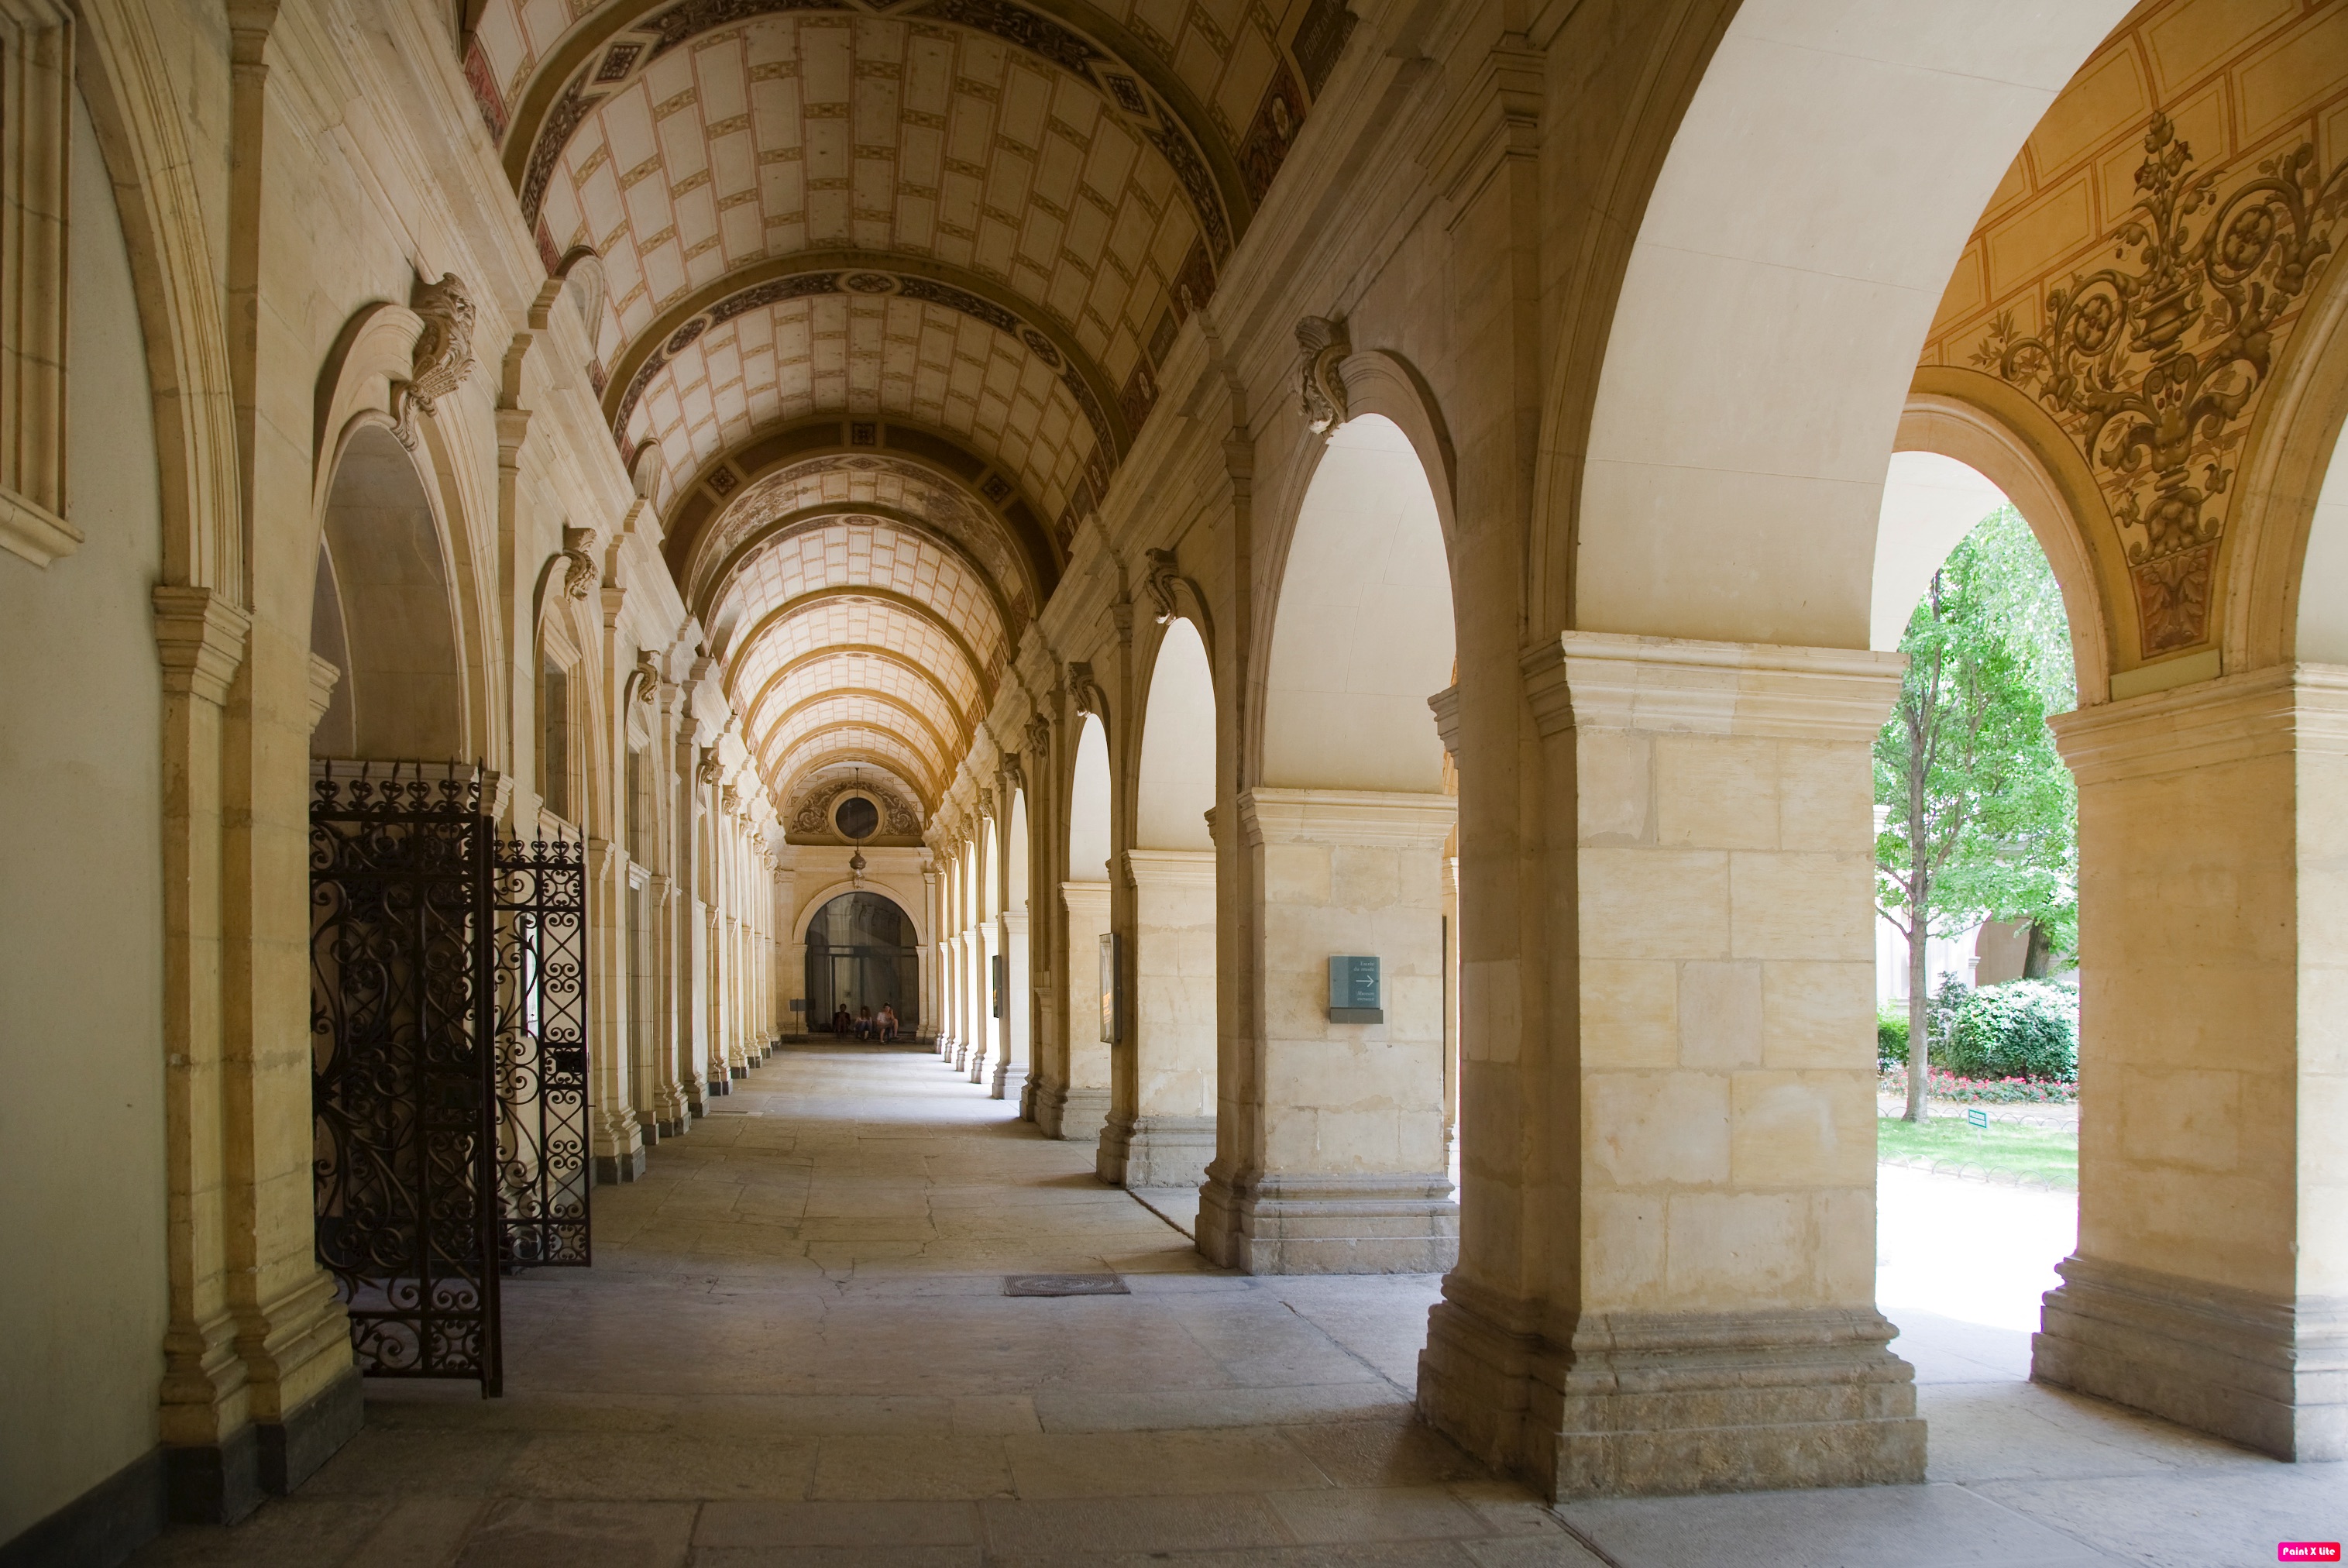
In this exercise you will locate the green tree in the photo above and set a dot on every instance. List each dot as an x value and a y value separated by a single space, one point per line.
1980 814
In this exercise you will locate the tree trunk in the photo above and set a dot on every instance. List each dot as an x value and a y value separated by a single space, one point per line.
1920 923
1919 1050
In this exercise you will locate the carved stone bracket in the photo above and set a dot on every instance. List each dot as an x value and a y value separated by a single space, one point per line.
711 768
647 676
1085 691
200 638
1159 575
579 549
1325 344
444 353
1039 736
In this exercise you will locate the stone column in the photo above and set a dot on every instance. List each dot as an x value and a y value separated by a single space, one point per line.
672 1104
926 1025
1079 1108
994 1040
1015 1057
2211 1282
1678 1291
1165 1138
615 1133
1346 1173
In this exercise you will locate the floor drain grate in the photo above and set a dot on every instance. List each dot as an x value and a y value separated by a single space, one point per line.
1065 1284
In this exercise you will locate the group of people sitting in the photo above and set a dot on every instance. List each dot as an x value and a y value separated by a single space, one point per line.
864 1024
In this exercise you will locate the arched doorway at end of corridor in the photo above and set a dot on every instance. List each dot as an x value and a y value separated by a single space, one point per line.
862 954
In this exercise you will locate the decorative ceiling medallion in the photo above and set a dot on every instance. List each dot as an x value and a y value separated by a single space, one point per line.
871 284
2158 419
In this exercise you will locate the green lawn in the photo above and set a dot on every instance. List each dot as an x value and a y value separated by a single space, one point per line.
2051 1157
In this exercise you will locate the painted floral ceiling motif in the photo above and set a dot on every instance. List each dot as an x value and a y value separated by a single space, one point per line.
980 224
2139 272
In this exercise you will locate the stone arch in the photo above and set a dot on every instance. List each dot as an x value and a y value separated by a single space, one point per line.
1770 315
2016 447
814 906
1174 760
2289 529
1359 640
384 609
1089 802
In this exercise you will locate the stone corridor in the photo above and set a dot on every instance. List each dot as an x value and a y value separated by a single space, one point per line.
794 1348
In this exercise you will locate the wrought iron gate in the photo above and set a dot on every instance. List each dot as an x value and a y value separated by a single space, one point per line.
539 903
449 1056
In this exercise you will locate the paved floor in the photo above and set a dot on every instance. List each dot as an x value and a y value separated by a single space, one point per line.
794 1348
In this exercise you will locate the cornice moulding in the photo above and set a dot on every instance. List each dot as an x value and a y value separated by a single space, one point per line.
200 638
33 532
1379 818
2282 710
1604 680
1170 867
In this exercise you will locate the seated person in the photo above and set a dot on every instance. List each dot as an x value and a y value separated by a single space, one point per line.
887 1022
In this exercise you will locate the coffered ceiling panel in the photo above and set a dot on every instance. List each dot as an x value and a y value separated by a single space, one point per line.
868 356
843 485
821 131
863 553
838 742
861 623
785 728
851 670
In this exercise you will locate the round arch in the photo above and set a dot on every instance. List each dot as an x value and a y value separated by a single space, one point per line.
383 609
1089 803
2016 447
1771 309
863 951
1175 763
1359 639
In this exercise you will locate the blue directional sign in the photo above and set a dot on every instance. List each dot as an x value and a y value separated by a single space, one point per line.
1354 993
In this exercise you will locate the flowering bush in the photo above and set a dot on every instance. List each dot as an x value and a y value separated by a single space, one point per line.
1985 1091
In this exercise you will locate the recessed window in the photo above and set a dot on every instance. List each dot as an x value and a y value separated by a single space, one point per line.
856 818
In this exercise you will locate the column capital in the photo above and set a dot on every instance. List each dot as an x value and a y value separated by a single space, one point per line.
1386 819
2280 709
1606 680
200 638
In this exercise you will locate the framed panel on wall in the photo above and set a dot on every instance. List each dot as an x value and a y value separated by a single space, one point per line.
1112 995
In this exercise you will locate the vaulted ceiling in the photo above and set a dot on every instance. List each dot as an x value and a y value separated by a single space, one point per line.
886 288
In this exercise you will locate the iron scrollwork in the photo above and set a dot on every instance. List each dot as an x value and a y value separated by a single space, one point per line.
448 1063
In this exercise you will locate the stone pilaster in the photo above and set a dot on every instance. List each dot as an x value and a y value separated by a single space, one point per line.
1077 1107
2211 1282
1164 1135
1697 1310
1347 1173
1015 1057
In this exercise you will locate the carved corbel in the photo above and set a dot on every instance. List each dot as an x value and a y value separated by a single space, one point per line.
443 356
579 549
1039 736
1160 569
711 769
1085 691
1325 344
648 677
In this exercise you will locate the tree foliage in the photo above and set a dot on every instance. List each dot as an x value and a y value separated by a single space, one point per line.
1980 819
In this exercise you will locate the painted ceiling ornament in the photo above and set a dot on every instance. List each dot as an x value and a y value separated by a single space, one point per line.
1325 344
443 356
579 549
2154 365
1157 578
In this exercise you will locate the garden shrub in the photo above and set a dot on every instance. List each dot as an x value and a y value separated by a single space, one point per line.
2024 1028
1891 1034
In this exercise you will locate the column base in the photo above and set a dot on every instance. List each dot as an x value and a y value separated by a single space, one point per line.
1028 1089
738 1070
611 1169
1155 1150
2272 1375
718 1085
1661 1404
1297 1225
1075 1114
291 1450
214 1483
1009 1083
